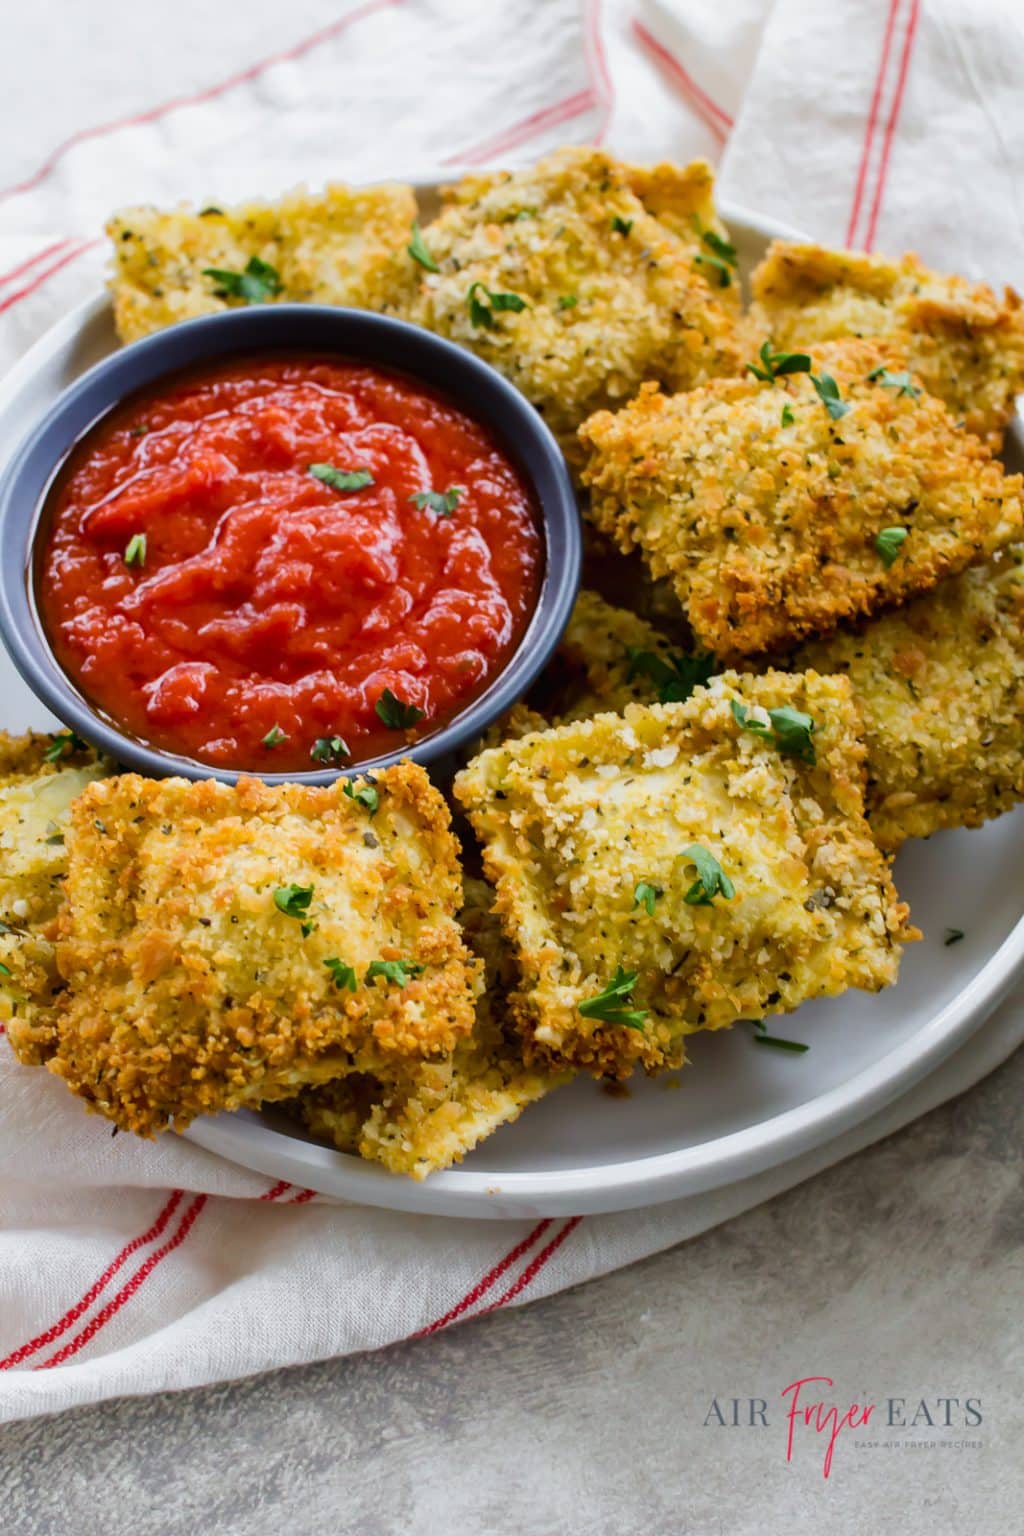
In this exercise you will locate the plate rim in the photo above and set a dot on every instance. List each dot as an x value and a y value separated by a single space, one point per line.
622 1184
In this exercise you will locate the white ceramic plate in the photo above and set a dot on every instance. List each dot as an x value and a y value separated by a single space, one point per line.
737 1108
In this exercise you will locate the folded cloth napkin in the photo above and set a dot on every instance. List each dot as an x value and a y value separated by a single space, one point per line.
128 1267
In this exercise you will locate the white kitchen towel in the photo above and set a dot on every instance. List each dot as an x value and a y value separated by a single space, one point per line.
128 1267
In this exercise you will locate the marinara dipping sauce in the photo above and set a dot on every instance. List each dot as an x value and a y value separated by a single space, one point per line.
287 564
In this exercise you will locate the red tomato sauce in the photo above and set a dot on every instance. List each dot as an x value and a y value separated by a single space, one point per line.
213 597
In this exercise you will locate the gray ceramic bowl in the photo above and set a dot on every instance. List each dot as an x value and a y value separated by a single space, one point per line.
347 333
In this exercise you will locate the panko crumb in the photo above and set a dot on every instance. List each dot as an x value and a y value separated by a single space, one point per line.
964 342
333 247
190 989
567 846
765 510
606 295
427 1115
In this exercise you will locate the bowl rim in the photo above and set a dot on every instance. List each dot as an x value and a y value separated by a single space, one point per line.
471 384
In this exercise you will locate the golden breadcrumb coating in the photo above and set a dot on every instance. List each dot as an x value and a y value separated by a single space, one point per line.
427 1115
330 247
581 823
965 343
940 685
608 296
191 989
682 197
767 526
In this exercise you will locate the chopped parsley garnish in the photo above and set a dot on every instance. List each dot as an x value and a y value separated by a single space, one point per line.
274 737
568 301
341 974
256 284
210 211
711 880
788 729
720 257
902 382
5 970
621 226
396 714
762 1037
328 749
827 391
293 901
787 416
608 1005
397 971
341 479
135 550
953 936
674 676
775 364
443 503
645 895
62 745
418 250
483 311
366 794
139 430
889 543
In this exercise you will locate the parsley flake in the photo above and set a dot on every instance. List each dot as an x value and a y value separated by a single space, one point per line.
483 311
901 382
274 737
787 416
827 391
621 226
568 301
293 901
720 257
62 745
711 880
341 974
397 971
417 249
442 503
256 284
367 794
762 1037
674 676
5 970
889 543
952 936
775 364
328 749
135 550
788 729
396 714
645 895
341 479
608 1004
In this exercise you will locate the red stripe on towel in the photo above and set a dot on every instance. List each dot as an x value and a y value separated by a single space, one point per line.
533 1269
716 118
872 122
890 127
485 1283
23 293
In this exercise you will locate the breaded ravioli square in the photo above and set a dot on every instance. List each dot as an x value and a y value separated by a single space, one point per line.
964 342
330 247
429 1114
560 277
223 945
40 776
940 686
684 866
781 506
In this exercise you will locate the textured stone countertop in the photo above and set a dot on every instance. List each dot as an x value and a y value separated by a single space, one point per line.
899 1274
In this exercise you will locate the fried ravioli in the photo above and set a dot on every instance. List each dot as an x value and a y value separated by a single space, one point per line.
940 685
560 277
965 343
672 870
764 505
40 776
432 1113
224 945
333 247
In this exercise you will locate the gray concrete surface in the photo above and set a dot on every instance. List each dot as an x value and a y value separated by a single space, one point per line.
899 1274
